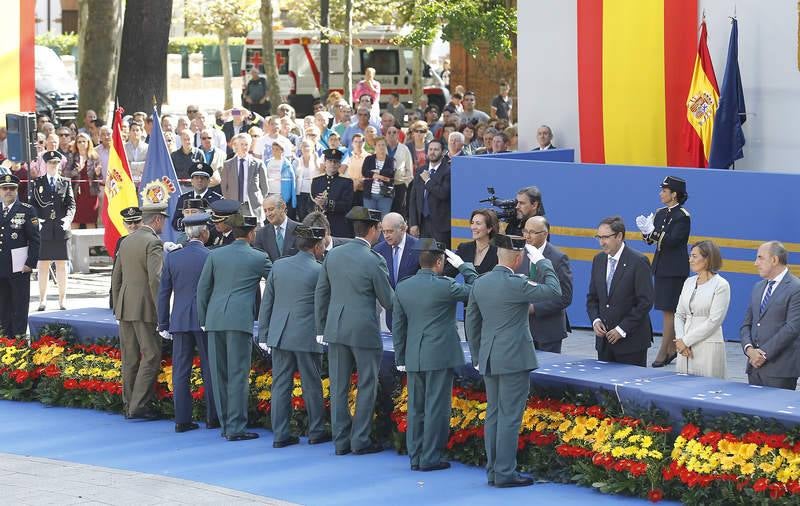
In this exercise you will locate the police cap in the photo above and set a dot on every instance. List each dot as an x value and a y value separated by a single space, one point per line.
9 180
675 184
427 244
202 169
194 204
131 214
222 208
333 154
512 242
49 156
196 219
358 213
306 232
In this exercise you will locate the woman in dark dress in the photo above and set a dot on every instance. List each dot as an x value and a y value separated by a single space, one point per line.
480 251
84 168
51 196
669 230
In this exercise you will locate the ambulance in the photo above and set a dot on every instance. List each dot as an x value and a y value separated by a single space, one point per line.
297 57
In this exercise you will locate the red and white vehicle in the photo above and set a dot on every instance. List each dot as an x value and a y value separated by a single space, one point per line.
297 58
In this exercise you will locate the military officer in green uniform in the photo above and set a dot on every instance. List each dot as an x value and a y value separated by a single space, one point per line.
352 278
286 330
226 308
496 325
427 347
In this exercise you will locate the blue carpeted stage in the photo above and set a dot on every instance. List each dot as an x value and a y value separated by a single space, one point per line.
303 474
635 387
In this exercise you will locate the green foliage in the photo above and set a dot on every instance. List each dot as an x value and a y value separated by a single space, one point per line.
224 18
471 22
306 13
197 43
62 44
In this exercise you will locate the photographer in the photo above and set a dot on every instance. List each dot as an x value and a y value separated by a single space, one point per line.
529 204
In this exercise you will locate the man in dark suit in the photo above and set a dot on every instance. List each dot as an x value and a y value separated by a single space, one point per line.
772 322
179 276
620 298
547 319
399 249
201 174
544 138
276 238
429 208
244 178
333 194
237 125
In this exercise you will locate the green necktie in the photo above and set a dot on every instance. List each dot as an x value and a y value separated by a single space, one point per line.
279 239
532 274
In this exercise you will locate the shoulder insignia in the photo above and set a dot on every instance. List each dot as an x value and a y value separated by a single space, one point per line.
533 283
685 211
25 204
523 276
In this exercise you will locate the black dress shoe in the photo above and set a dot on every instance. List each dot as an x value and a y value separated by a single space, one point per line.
667 361
373 448
242 436
436 467
319 440
145 415
186 427
213 425
415 467
286 442
518 481
343 451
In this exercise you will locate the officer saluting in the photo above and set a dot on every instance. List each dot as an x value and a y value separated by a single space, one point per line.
500 342
19 252
333 194
190 207
201 174
221 231
427 346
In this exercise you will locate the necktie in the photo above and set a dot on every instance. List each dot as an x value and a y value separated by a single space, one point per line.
279 239
52 185
241 179
396 263
532 274
612 266
766 297
426 210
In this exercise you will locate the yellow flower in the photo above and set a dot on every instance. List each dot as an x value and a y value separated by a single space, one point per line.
297 392
748 468
565 425
767 467
482 415
69 370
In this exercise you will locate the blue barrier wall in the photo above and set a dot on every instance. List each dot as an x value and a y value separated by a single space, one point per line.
739 210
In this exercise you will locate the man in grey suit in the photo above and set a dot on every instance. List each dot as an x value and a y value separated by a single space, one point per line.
134 291
353 278
548 320
286 330
276 238
428 348
226 309
769 334
244 178
496 325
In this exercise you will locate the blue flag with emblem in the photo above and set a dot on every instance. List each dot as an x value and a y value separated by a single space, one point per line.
728 139
159 181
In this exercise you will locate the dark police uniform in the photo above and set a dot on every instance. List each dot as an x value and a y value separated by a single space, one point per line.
53 203
671 261
339 191
221 209
19 228
208 196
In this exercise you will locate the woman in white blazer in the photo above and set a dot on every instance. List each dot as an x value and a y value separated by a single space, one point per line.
701 310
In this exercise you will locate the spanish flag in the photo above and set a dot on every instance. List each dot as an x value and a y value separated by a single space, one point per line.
634 68
120 190
701 104
17 85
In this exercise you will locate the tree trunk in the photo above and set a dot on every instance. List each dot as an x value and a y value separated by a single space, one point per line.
268 54
143 60
324 49
417 88
99 39
348 50
225 54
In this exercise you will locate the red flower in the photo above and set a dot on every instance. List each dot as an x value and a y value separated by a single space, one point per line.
760 485
71 384
655 495
595 411
776 491
690 431
51 371
741 483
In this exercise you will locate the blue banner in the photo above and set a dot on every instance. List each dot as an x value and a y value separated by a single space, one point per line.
159 180
728 139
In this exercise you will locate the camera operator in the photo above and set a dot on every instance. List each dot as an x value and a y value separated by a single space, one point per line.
529 204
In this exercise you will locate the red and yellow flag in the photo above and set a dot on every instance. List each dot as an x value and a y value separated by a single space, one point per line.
634 66
18 85
120 190
701 104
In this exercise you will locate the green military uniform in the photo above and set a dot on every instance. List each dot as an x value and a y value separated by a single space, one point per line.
134 291
226 308
496 325
286 324
427 344
352 278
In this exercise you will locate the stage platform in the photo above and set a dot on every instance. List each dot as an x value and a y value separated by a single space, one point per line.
635 387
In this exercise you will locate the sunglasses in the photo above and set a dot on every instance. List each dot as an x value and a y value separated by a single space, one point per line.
205 138
363 114
63 135
192 111
420 131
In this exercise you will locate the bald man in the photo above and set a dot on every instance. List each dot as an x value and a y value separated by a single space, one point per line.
398 248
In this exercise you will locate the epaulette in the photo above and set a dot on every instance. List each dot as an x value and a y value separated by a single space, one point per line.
662 208
25 204
685 211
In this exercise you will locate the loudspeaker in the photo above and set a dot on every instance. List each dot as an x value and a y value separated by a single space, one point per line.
21 136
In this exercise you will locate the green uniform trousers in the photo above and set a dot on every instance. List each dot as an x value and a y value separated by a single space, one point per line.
229 357
284 364
430 398
506 396
352 432
140 346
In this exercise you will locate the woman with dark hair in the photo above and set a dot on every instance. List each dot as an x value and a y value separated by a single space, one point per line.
701 310
484 225
669 231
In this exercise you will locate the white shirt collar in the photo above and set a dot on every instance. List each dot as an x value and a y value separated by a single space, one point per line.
546 147
330 245
365 241
402 244
541 249
434 167
282 226
777 279
619 253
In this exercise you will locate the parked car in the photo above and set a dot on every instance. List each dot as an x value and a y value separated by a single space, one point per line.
56 89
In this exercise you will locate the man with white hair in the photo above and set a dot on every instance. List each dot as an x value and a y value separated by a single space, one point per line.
244 178
455 145
544 138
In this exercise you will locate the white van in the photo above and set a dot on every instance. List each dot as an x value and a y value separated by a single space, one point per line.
297 58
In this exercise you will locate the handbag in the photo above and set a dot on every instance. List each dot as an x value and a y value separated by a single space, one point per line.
387 190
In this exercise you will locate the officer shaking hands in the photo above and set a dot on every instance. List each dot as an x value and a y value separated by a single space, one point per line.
500 342
19 252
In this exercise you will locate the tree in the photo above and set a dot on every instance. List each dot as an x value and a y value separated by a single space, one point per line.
98 46
268 52
348 50
225 19
143 60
